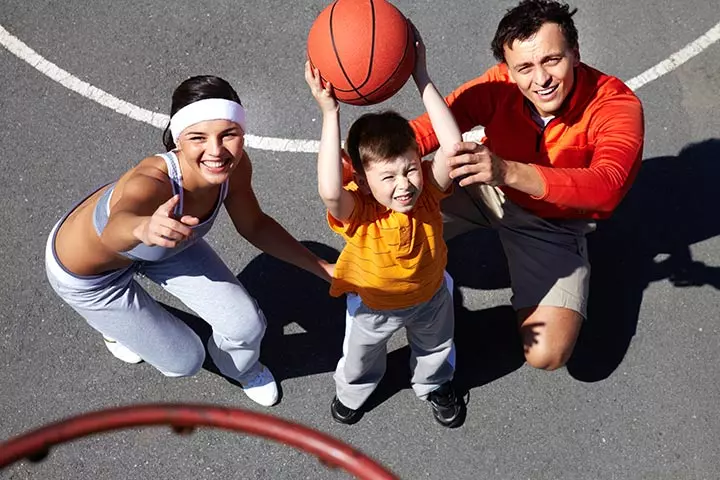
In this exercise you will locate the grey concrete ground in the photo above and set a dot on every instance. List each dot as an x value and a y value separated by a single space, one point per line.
639 399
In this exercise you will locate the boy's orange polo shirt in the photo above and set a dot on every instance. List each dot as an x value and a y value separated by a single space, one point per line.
391 260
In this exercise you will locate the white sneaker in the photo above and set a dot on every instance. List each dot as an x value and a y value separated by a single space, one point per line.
122 352
262 388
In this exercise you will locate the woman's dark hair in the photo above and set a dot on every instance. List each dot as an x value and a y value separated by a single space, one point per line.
194 89
378 137
524 20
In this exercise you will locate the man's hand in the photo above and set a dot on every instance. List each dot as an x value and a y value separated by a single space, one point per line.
473 163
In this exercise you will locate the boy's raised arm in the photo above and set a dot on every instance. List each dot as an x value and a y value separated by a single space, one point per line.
443 122
339 202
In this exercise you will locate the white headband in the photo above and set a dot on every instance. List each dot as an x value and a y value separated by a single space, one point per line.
203 110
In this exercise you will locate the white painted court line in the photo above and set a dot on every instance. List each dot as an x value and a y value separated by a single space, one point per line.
159 120
676 59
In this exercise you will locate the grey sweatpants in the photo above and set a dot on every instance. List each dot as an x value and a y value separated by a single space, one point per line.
429 327
118 307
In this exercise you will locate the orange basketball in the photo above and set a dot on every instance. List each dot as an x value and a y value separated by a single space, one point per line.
365 48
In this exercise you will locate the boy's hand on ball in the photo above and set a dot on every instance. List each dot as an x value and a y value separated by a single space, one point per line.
420 69
323 94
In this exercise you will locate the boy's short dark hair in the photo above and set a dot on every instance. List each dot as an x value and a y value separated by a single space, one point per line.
377 137
524 20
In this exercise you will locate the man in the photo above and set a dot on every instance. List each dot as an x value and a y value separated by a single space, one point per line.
563 145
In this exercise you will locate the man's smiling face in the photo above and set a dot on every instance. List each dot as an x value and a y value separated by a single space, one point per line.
543 66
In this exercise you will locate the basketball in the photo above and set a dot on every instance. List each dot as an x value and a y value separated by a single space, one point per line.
365 48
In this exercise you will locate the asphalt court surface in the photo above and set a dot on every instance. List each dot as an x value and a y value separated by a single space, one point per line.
639 399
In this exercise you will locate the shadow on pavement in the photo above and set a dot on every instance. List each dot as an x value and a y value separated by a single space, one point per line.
487 341
305 325
672 205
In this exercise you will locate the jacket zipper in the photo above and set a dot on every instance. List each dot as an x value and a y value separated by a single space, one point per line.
540 134
538 139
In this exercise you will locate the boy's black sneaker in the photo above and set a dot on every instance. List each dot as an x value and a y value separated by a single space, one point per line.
448 410
343 414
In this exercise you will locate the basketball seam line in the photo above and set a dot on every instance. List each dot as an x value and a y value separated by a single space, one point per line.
372 56
372 46
337 56
402 61
372 53
400 64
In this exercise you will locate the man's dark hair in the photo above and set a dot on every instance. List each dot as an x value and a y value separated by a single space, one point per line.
524 20
378 137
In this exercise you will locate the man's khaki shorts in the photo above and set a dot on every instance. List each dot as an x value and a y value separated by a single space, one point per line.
547 258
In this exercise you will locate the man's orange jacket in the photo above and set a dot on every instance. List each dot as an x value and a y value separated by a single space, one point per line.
588 155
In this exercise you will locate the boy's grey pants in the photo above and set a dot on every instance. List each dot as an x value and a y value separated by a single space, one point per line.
118 307
429 326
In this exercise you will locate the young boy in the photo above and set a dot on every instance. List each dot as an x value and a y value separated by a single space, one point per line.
392 267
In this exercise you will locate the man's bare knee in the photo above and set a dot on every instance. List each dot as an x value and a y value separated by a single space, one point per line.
546 358
549 335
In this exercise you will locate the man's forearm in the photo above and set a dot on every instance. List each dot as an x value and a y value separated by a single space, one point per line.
599 188
523 177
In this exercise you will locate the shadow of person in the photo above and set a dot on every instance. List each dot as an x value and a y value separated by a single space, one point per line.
305 325
671 206
487 341
488 347
489 344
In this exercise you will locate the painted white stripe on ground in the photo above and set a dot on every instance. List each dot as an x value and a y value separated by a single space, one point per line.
67 80
676 59
159 120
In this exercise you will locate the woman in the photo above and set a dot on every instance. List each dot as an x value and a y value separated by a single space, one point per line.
151 222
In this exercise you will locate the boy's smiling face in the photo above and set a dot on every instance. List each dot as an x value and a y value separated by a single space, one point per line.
396 183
